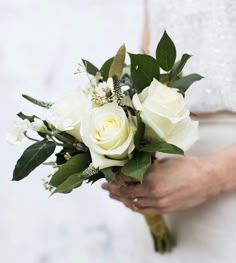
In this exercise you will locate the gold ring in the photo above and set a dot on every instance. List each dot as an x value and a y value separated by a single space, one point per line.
135 200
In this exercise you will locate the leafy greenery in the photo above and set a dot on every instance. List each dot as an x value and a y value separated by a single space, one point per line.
74 181
109 173
166 52
144 69
90 68
40 103
77 164
106 68
178 67
138 165
118 63
32 157
162 147
140 131
26 117
185 82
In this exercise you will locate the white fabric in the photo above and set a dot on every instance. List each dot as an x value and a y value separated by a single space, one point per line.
207 30
207 233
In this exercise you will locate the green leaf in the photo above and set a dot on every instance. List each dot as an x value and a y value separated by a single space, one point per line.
137 166
178 67
108 173
185 82
90 68
40 103
75 165
140 131
32 157
163 147
74 181
144 69
166 52
106 68
117 65
26 117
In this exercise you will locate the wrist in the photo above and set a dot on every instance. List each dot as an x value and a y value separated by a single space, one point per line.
221 168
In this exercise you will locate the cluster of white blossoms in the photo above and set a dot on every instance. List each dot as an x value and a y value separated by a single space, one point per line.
105 128
18 133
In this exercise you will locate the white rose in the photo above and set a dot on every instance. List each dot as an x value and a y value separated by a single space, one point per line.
109 135
164 113
17 134
66 114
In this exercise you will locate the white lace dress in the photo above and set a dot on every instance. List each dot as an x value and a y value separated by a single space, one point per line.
207 30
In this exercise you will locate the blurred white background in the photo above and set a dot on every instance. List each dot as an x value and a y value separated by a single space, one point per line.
41 42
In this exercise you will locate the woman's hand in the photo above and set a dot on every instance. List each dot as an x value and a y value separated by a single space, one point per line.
172 184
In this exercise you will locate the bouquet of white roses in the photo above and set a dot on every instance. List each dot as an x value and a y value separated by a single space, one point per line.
112 127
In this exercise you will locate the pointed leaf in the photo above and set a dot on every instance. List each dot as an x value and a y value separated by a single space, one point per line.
32 157
166 52
140 131
38 102
26 117
163 147
108 173
144 69
137 166
90 68
106 68
75 165
185 82
117 65
72 182
178 67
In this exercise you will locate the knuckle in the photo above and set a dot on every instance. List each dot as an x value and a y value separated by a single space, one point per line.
163 204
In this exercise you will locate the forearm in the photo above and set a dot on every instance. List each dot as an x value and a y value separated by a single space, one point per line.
223 164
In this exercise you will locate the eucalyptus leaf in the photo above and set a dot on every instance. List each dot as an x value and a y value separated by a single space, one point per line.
137 166
90 68
144 69
178 67
166 52
32 157
40 103
118 63
75 165
106 68
185 82
163 147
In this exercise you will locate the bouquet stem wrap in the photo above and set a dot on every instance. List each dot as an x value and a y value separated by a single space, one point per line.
162 238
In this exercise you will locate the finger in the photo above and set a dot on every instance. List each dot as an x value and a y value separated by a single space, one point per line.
114 189
139 190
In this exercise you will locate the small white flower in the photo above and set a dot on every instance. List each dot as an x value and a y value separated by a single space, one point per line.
80 69
17 134
38 125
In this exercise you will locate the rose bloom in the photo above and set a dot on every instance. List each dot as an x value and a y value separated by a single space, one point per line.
109 135
66 114
163 111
